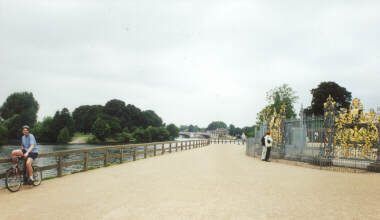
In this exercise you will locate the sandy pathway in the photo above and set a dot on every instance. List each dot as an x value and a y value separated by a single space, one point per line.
215 182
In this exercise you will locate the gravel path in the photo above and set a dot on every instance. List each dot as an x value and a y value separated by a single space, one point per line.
79 140
214 182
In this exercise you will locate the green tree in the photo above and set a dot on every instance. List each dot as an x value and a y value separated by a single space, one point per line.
276 98
163 134
101 129
183 128
158 133
173 131
340 94
20 108
142 136
3 134
63 119
44 131
117 109
14 125
84 117
124 137
113 122
150 118
231 130
215 125
64 136
248 131
134 118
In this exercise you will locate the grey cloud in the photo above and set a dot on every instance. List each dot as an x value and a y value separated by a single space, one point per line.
190 61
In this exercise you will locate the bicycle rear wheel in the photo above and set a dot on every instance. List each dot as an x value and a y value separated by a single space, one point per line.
37 176
13 180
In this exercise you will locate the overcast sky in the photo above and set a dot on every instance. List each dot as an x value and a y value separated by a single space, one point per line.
192 62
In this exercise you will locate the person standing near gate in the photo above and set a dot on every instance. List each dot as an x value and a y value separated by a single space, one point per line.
243 138
268 145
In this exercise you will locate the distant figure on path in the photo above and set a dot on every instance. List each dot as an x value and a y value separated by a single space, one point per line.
243 137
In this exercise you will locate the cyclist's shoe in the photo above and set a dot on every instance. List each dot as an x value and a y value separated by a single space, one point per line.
29 182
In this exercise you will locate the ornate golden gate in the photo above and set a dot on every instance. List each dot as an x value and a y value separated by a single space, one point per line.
351 133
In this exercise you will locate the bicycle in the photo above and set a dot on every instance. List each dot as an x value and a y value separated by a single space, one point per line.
15 177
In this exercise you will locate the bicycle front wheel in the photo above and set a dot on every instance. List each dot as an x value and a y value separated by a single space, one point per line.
13 180
37 176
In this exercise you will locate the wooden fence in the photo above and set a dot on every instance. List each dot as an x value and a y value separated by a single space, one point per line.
132 150
225 141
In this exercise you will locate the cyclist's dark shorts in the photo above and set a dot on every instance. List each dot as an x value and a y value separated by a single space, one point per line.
31 154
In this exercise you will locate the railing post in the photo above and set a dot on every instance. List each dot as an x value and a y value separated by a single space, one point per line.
154 150
85 163
60 165
134 153
163 149
105 157
176 146
181 145
145 149
170 148
121 155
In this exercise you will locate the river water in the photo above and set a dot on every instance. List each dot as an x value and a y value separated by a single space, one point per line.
7 149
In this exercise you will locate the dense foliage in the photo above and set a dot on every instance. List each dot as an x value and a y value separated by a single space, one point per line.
20 108
215 125
84 116
340 94
191 128
275 99
115 121
173 131
64 136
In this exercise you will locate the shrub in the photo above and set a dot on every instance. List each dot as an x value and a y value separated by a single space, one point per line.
101 129
64 136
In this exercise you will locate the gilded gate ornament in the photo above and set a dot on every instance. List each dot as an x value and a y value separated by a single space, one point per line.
355 132
277 126
329 126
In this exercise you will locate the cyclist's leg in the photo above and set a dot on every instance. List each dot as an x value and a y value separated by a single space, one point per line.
29 167
15 154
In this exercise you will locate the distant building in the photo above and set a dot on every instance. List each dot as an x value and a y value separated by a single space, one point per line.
220 132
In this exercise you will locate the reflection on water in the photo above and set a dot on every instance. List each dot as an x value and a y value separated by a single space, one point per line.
6 150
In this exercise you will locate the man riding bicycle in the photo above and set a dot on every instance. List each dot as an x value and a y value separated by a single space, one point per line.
29 150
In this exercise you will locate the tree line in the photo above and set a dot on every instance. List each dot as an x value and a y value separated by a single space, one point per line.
114 121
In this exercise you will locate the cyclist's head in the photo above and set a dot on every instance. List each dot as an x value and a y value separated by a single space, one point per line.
25 130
